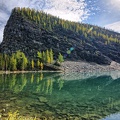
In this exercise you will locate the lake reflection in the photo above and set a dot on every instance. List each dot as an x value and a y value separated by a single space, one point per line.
61 96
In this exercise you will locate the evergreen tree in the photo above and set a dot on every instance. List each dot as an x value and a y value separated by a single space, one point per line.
50 22
29 65
38 64
5 61
43 57
39 55
60 58
41 66
2 62
32 64
51 56
47 57
25 62
13 63
21 60
18 61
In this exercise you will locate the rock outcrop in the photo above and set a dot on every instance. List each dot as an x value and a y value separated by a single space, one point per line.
22 34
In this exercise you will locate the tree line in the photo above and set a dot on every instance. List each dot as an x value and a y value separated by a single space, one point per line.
19 61
49 22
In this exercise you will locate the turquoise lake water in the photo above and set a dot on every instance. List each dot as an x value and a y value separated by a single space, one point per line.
62 96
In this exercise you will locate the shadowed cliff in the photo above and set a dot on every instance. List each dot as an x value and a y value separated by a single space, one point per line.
31 31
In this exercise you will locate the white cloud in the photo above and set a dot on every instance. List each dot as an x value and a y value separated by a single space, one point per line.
114 26
114 3
67 9
1 32
73 10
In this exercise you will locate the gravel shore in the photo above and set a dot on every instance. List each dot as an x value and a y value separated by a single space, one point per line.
80 66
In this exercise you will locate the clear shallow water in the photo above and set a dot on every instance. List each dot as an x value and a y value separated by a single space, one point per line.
61 96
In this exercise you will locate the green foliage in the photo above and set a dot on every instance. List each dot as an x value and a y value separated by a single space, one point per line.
39 55
19 61
32 64
47 57
6 59
51 56
41 66
2 62
38 64
43 57
13 63
60 58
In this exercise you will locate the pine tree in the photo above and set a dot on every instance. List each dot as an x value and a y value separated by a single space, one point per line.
60 58
43 57
21 60
41 66
13 63
24 62
29 65
32 64
47 57
38 64
51 56
2 62
39 55
5 61
49 22
1 59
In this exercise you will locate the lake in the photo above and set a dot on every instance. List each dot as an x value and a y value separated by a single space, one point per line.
62 96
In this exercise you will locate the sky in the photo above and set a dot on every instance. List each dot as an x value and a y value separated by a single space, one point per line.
103 13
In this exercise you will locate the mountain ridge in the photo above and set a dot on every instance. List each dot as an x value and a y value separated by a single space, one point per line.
31 31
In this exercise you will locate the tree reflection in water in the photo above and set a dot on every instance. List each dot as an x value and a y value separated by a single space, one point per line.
53 94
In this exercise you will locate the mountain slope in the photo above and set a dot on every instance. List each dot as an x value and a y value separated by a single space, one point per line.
31 31
69 9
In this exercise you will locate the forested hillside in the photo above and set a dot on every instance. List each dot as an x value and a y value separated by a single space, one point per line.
31 31
49 22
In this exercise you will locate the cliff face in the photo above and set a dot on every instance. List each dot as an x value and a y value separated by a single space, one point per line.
22 34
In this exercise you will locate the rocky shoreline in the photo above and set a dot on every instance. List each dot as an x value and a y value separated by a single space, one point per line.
85 67
77 66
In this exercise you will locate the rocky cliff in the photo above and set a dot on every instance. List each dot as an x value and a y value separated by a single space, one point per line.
21 33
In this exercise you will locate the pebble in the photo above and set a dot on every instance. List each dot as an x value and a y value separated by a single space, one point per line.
88 67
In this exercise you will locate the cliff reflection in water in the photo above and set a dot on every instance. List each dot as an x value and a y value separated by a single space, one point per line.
59 95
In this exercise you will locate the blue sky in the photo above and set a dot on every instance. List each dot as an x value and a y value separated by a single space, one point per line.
104 13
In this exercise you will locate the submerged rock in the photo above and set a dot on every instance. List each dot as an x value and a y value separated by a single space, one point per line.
13 98
42 99
48 113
